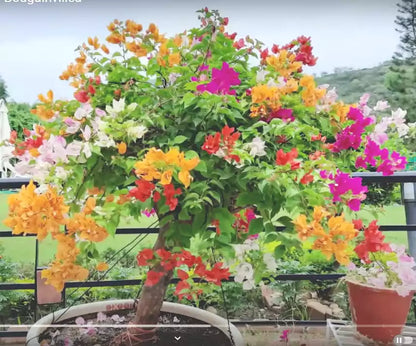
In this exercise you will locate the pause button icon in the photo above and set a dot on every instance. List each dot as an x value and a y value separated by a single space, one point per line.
402 340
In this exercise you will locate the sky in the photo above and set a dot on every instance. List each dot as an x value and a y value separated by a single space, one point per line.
37 40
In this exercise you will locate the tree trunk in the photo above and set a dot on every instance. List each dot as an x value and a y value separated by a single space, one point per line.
151 300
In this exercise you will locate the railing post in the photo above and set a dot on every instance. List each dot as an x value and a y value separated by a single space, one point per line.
409 201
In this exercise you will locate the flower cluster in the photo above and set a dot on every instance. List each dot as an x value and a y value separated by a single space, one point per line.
383 265
167 261
331 234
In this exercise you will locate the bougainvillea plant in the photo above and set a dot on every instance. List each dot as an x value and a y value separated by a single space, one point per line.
369 259
202 129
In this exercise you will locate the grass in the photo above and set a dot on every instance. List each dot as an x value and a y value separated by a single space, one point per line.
22 249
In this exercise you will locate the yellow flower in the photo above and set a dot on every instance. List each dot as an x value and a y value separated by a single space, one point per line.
185 178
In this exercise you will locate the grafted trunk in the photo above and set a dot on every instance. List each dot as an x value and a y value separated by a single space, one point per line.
149 305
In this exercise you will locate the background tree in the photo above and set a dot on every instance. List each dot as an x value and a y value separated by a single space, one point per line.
401 79
20 117
3 89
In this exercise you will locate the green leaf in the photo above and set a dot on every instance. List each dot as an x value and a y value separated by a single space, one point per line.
226 220
188 98
248 198
279 251
256 226
179 140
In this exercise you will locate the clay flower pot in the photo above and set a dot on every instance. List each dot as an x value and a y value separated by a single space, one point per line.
379 314
205 317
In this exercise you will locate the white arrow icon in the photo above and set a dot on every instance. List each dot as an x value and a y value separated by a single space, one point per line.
177 338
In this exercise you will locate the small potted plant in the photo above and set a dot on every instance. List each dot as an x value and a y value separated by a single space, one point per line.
381 278
212 130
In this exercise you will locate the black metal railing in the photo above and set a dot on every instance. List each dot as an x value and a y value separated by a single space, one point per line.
15 183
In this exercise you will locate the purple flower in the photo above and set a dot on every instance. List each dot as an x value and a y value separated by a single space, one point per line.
285 114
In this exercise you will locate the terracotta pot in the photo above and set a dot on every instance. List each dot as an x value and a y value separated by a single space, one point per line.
114 305
379 314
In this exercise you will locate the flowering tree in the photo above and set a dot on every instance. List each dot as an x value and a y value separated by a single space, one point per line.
212 130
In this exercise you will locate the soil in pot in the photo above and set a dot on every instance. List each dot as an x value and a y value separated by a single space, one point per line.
87 331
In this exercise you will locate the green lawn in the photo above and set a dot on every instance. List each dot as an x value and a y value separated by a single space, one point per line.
22 249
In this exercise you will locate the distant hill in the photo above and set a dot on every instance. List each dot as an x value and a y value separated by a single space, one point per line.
352 84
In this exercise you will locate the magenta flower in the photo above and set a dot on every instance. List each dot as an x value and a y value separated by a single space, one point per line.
350 137
348 190
285 114
221 81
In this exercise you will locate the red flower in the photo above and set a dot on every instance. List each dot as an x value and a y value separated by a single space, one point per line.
275 49
306 179
225 21
168 261
283 158
182 285
156 196
373 242
144 256
182 274
212 143
153 278
358 224
91 89
13 137
217 273
239 44
170 192
264 54
82 96
143 190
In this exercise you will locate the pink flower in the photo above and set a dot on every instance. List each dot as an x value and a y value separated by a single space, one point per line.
285 335
221 81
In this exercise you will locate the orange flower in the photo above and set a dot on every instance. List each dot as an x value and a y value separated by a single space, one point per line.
132 27
122 148
102 266
301 226
284 63
89 205
58 273
174 59
166 177
310 94
87 228
116 38
105 49
31 213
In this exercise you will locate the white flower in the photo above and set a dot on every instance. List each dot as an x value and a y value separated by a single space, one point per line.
364 99
173 77
402 130
270 262
249 284
136 132
261 76
61 173
118 106
41 189
398 116
381 106
220 153
86 132
83 112
244 271
104 141
256 147
86 150
132 106
74 148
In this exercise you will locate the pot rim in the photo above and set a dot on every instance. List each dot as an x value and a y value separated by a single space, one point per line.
412 290
88 308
